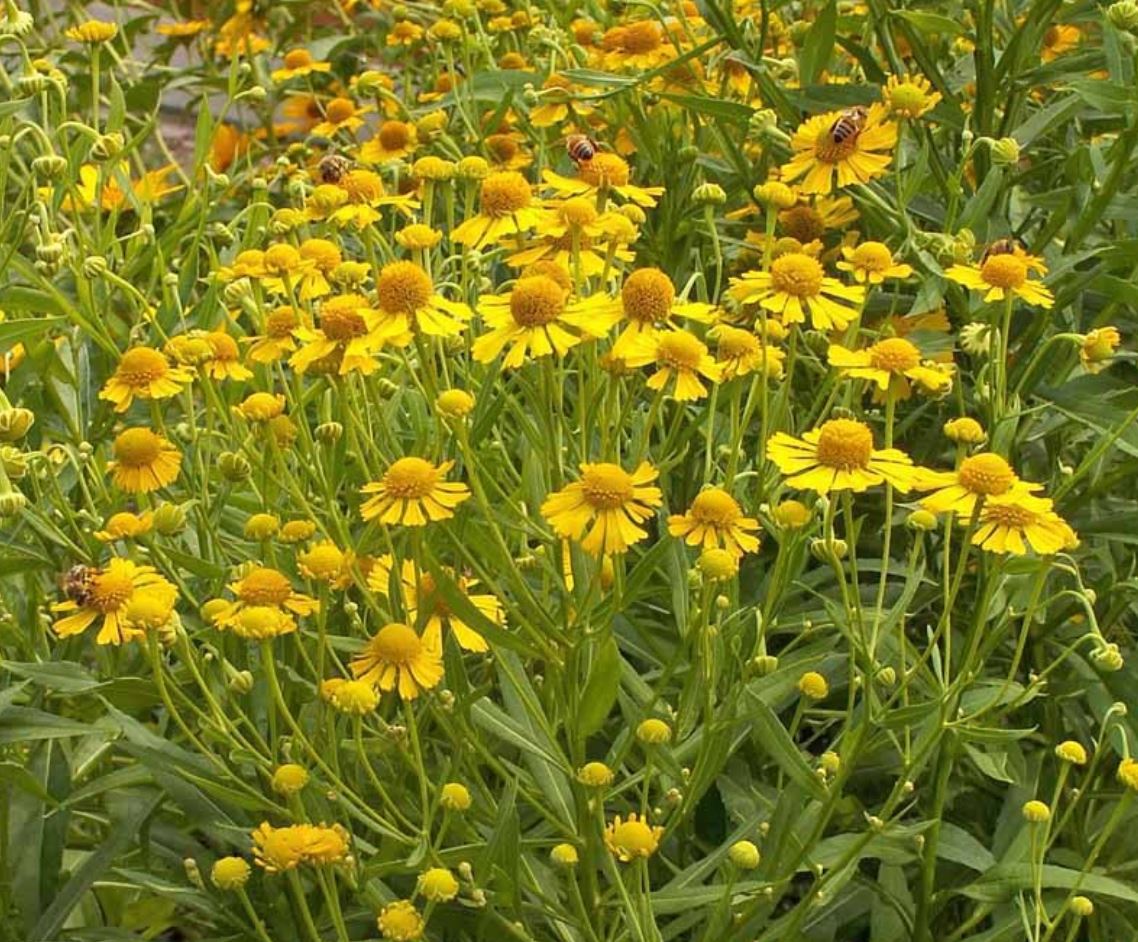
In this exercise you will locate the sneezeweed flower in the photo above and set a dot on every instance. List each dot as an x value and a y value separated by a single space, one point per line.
266 587
1059 38
718 565
125 526
576 226
143 461
979 477
297 64
418 237
1071 752
825 149
394 140
649 304
1011 522
230 873
289 779
286 848
404 33
680 359
740 352
92 32
412 493
872 262
796 285
1005 273
537 318
965 431
506 207
258 622
791 515
437 885
637 46
455 403
813 686
1096 350
653 732
408 304
149 188
632 838
260 406
343 340
326 562
400 921
1128 773
341 114
297 531
744 855
1036 812
454 796
595 775
103 595
608 502
564 856
397 658
714 520
353 697
891 364
143 373
838 456
909 96
224 358
606 172
183 28
262 526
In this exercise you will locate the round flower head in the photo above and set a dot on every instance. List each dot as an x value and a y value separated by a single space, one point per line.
653 732
290 778
412 493
143 461
1036 812
454 796
564 856
890 364
125 525
408 304
872 262
230 873
353 697
397 657
649 305
401 922
1072 752
437 885
606 172
740 352
506 207
909 96
965 431
259 622
455 403
854 146
297 64
595 775
105 595
326 562
265 587
1011 522
143 373
1128 773
1082 906
813 686
744 855
393 141
791 515
715 519
297 531
680 359
261 407
979 476
796 285
608 502
1096 351
718 565
92 32
1001 274
632 838
837 456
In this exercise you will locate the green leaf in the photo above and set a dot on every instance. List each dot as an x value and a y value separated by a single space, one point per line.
819 44
1004 881
931 23
732 111
601 688
24 328
773 739
25 724
59 676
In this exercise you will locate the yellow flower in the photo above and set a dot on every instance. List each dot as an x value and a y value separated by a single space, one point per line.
354 697
537 318
608 502
425 607
648 303
1097 348
400 921
791 515
797 284
224 361
813 686
872 262
909 96
298 63
262 586
286 848
1058 39
418 237
740 352
393 141
595 775
822 151
1011 522
965 430
340 114
288 779
1036 812
145 373
143 462
632 838
125 525
637 46
653 732
326 562
344 340
454 796
715 520
575 225
437 885
105 594
404 33
1071 751
412 493
679 356
261 406
1128 773
506 207
182 29
92 32
409 304
890 364
838 456
230 873
606 172
149 189
979 477
396 657
1004 273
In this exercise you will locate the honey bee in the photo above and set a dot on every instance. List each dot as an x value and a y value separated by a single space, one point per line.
332 168
1007 246
76 584
581 148
848 125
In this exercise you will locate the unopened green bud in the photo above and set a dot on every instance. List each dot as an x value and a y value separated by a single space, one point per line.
233 466
107 146
1005 151
169 519
709 194
49 166
94 266
14 423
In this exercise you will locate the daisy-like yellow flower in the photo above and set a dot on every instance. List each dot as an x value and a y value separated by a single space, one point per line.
318 261
506 206
408 304
1013 521
839 456
980 477
356 200
277 340
576 224
890 364
909 96
426 608
606 172
1058 39
872 262
103 595
609 503
1096 351
260 406
259 623
412 493
536 319
325 562
632 838
354 697
400 921
681 359
224 360
1004 273
298 63
286 848
341 114
404 33
125 526
558 100
824 149
797 284
143 461
637 46
92 32
740 352
150 188
397 658
648 303
145 373
262 586
182 29
393 141
715 520
344 340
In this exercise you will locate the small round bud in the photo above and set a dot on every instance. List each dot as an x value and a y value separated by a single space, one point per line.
1082 907
744 855
653 732
774 194
234 467
1036 812
921 521
709 194
1072 752
455 796
289 779
595 775
94 266
564 856
107 146
230 873
718 565
813 686
764 664
1005 151
14 423
455 403
169 519
193 874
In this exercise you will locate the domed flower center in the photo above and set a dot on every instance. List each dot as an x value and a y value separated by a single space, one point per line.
323 560
797 274
536 300
137 447
872 256
338 110
605 169
281 323
648 295
340 317
606 486
907 98
297 59
362 186
111 589
505 193
641 37
894 355
803 223
411 478
734 343
987 474
1004 271
830 151
679 350
635 838
403 288
715 506
140 366
224 347
503 147
1009 515
397 644
579 211
394 135
322 253
261 621
845 444
281 259
264 586
147 610
262 405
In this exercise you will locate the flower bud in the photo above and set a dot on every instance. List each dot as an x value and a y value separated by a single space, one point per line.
12 504
744 855
49 166
230 873
921 520
94 266
329 433
107 147
774 194
1080 905
241 682
1124 16
764 664
709 194
1005 151
14 423
233 467
14 461
193 874
31 84
1036 812
1108 657
564 856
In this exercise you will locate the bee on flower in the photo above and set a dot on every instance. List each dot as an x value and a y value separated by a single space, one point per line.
851 146
104 595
